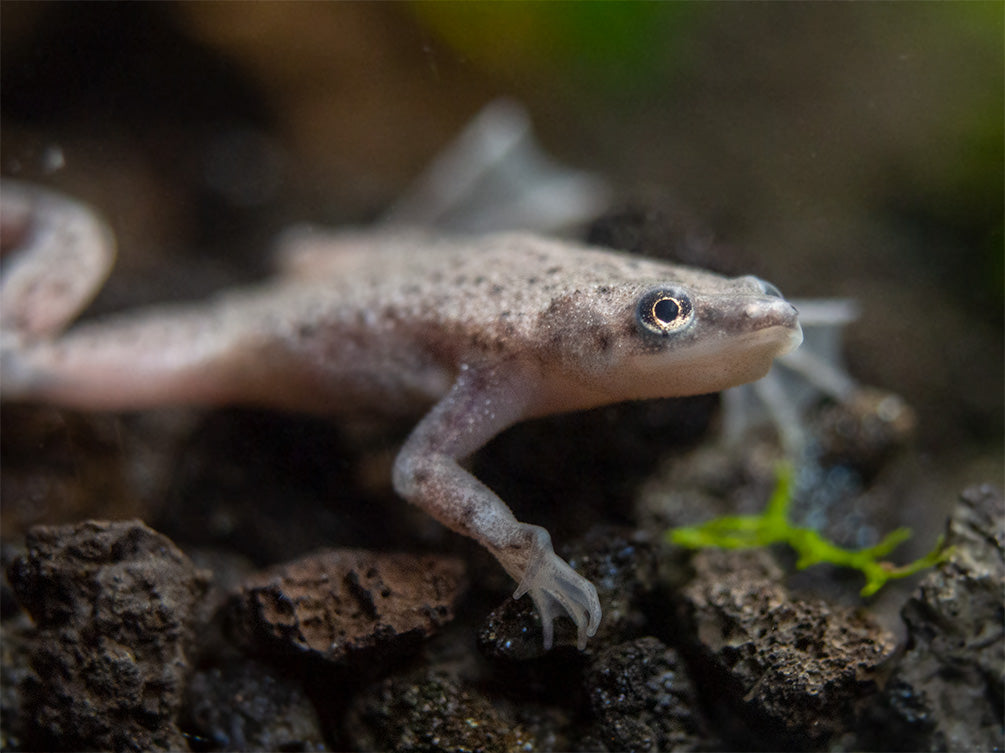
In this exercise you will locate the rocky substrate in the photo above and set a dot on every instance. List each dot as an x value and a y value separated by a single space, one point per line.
114 639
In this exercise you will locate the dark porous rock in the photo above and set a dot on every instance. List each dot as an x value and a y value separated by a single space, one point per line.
15 670
244 705
643 699
337 606
710 480
113 605
16 631
431 711
864 430
795 669
948 690
624 565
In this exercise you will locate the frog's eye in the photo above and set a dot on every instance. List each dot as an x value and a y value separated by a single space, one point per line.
664 310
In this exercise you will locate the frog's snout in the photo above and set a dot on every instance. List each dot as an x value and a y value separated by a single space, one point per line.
787 316
779 317
795 338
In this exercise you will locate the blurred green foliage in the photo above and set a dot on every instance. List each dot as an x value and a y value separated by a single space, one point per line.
612 43
773 527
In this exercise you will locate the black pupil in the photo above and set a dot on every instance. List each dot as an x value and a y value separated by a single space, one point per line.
666 310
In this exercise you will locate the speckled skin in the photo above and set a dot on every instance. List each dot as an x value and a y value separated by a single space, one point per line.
488 331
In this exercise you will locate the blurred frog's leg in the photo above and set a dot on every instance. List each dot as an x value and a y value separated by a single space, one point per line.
56 254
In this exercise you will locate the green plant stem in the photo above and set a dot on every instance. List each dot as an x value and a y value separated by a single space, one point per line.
774 527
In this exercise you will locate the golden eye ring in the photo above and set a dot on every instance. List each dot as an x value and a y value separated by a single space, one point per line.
663 311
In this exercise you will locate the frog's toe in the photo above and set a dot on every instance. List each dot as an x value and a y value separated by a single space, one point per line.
555 588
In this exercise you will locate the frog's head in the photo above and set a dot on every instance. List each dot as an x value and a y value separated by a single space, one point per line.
692 339
687 334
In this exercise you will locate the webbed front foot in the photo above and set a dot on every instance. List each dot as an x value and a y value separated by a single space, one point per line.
556 589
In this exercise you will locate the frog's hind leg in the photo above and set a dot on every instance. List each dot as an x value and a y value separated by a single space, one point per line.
169 355
56 253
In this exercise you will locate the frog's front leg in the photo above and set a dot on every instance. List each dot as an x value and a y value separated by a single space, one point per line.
482 403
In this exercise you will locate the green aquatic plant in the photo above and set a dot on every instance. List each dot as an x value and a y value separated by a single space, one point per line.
774 527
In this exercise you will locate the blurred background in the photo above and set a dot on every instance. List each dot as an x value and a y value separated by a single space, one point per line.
851 150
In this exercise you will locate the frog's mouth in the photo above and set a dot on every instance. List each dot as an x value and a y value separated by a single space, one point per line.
719 365
771 316
726 352
793 339
770 326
